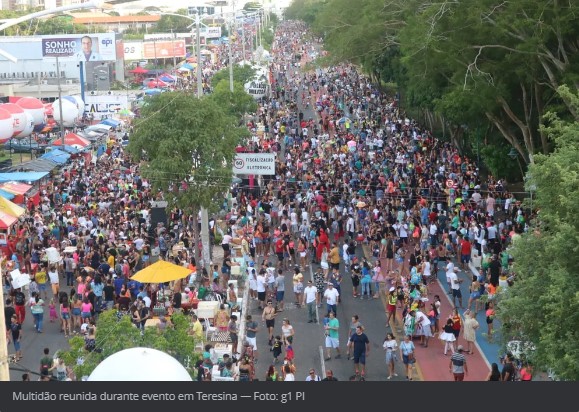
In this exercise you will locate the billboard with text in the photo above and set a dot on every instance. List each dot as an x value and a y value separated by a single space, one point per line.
164 49
79 47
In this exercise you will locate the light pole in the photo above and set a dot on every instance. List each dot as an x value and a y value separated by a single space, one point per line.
205 239
60 101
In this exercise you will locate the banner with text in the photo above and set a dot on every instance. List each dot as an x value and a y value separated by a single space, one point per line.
254 163
93 47
164 49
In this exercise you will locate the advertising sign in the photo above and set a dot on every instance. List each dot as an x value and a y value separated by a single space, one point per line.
134 50
163 49
254 163
93 47
211 32
102 107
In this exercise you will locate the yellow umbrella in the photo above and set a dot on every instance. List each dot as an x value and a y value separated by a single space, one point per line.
10 208
161 272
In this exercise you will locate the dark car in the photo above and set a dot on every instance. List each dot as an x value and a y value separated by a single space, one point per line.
23 146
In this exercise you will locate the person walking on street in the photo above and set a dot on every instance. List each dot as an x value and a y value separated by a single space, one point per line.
332 336
469 330
268 316
353 325
16 334
360 344
408 358
37 309
309 300
390 345
250 335
458 365
331 295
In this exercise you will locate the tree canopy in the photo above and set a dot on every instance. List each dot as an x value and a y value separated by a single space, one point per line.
114 335
542 306
471 66
241 74
237 103
186 146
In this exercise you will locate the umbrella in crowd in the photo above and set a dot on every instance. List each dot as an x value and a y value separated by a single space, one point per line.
161 272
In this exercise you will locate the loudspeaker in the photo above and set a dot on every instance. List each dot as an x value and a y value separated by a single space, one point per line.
158 215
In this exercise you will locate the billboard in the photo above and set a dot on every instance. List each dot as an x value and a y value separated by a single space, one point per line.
133 50
105 106
254 163
93 47
163 49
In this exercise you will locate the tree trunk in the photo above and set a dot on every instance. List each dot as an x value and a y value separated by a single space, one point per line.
541 112
509 137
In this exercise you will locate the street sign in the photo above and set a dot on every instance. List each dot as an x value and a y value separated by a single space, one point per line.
449 183
254 163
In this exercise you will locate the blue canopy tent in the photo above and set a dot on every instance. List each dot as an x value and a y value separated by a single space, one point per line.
22 176
56 156
66 148
111 122
167 79
6 194
152 92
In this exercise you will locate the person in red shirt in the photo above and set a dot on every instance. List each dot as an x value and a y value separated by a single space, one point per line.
465 250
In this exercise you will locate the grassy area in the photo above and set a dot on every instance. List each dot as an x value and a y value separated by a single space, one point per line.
17 158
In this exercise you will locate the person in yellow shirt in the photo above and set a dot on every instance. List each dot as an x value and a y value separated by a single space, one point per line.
196 328
40 278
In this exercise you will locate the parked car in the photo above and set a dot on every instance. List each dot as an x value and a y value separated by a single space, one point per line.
23 146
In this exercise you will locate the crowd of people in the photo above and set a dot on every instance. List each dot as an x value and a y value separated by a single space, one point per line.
351 169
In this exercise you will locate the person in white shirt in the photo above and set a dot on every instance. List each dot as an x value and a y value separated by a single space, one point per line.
331 295
260 283
449 270
309 299
313 377
455 286
422 320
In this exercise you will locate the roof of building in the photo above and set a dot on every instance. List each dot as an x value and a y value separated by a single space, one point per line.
116 19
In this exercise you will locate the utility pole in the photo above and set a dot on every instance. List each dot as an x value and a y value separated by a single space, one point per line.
60 101
206 252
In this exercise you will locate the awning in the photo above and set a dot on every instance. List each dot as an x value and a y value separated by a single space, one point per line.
67 149
9 208
6 194
56 156
161 272
111 122
37 165
15 188
6 221
21 177
72 139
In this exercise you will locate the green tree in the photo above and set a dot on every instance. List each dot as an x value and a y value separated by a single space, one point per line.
188 144
542 306
114 335
237 103
241 74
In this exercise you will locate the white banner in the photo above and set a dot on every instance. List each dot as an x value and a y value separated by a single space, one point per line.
133 50
105 105
254 163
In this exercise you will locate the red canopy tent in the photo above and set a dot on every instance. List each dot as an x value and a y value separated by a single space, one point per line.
72 139
139 70
155 84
